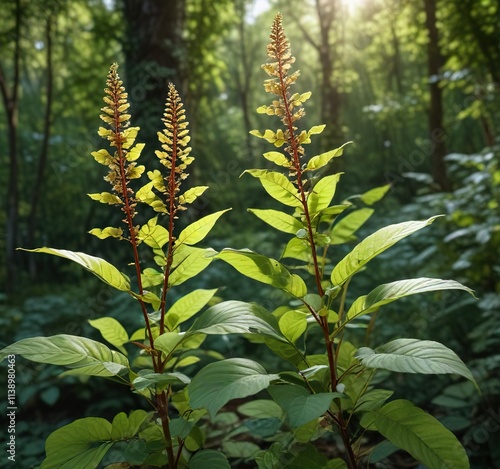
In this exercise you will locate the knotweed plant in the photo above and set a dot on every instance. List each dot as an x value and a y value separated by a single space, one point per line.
332 394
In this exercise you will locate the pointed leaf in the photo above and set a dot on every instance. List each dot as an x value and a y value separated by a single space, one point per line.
107 272
319 161
187 306
414 356
344 230
196 231
192 194
322 193
389 292
375 194
277 186
107 232
278 220
219 382
112 331
265 270
196 261
420 434
70 351
372 246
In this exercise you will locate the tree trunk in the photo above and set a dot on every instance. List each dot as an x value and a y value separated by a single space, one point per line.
435 117
11 102
44 150
153 53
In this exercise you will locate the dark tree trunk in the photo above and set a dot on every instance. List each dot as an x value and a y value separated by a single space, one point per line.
44 150
154 53
11 101
435 118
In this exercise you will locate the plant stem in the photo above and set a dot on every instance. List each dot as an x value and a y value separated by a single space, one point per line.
162 406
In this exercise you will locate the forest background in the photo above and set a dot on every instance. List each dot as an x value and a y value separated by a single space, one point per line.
415 84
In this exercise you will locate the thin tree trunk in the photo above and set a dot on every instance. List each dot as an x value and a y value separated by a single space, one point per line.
11 102
44 150
435 117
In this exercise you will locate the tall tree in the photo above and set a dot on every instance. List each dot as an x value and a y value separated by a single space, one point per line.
435 113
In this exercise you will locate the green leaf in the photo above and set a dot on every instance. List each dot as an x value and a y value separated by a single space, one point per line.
322 193
277 186
197 231
106 198
414 356
219 382
389 292
209 459
420 434
187 306
107 232
374 195
278 220
299 405
316 129
297 248
278 158
192 194
319 161
196 261
265 270
126 427
261 409
344 230
372 246
148 379
237 317
135 152
112 331
84 355
82 443
293 324
103 157
107 272
155 236
169 341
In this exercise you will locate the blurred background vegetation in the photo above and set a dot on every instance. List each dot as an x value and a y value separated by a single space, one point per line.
414 83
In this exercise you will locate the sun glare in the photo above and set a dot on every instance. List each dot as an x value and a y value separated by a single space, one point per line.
352 5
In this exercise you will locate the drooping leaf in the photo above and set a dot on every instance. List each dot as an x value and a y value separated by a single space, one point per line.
322 193
317 162
277 186
192 194
107 272
197 231
265 270
84 356
219 382
278 220
414 356
418 433
209 459
372 246
389 292
344 230
299 405
375 194
187 306
112 331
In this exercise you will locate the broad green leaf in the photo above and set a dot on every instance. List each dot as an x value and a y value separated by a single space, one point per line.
187 306
372 246
148 379
192 194
319 161
169 341
237 317
155 236
84 355
316 129
146 195
414 356
322 193
344 230
389 292
135 152
372 400
209 459
112 331
375 194
197 231
102 156
106 198
82 443
107 232
278 158
265 270
219 382
299 405
151 277
420 434
293 324
278 220
277 186
297 249
261 409
196 261
125 426
239 449
107 272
